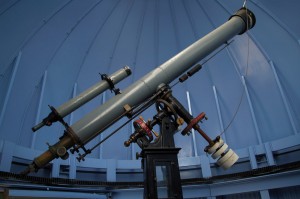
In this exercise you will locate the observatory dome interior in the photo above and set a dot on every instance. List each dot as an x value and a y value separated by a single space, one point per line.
53 50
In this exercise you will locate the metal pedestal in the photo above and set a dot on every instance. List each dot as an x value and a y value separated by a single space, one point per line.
161 173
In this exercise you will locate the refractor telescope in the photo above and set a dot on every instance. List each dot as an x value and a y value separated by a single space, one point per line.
151 89
108 82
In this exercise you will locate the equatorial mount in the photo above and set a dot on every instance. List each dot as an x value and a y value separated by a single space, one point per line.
171 111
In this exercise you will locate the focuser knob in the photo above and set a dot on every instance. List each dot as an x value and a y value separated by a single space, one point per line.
127 143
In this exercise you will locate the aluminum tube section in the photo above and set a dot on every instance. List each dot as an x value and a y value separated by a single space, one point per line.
92 92
93 123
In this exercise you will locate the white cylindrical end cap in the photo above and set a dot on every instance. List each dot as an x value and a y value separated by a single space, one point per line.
228 159
219 152
215 146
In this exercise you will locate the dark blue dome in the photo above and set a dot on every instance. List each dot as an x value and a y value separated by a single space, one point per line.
51 51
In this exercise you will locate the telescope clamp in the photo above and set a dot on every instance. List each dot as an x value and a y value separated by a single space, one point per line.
110 83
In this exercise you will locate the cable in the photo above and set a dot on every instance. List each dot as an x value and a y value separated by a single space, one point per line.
244 4
246 73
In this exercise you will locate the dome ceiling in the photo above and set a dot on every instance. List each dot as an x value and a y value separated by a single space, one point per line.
53 50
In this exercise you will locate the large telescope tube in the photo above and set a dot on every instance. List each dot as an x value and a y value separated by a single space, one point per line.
84 97
95 122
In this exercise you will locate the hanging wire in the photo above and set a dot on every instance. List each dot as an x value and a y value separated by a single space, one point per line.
246 73
244 4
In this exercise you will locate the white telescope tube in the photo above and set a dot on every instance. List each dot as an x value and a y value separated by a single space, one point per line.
84 97
95 122
92 124
92 92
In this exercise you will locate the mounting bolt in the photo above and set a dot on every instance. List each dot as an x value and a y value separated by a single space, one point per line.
180 121
138 155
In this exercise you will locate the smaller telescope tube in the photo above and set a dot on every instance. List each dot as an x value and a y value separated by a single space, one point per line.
92 92
84 97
